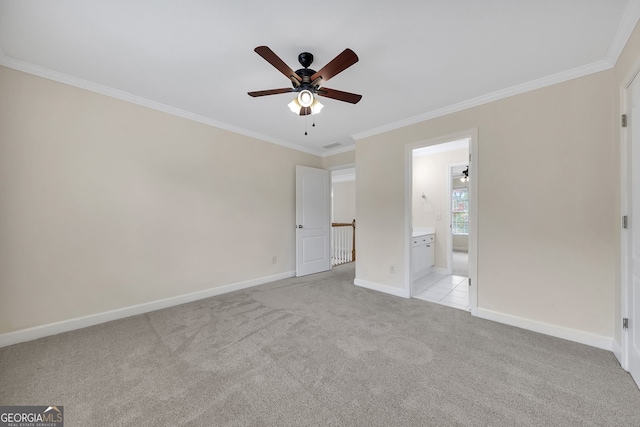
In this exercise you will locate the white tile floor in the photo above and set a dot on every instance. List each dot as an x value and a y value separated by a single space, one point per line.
449 290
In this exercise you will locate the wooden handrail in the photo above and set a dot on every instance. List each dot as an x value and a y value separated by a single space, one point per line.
353 243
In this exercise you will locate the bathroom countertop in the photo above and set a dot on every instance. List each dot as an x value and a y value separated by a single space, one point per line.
422 231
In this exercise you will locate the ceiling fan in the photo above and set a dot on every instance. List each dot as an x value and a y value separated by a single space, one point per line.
307 82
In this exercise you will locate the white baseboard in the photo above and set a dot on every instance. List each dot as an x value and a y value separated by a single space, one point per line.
36 332
617 351
391 290
594 340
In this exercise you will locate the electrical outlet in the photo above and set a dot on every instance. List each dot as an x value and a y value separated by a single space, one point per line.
392 269
274 259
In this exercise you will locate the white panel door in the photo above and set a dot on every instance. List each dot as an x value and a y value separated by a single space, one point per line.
313 220
633 285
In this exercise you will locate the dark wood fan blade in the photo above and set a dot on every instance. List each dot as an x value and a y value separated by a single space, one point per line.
271 92
338 64
275 60
339 95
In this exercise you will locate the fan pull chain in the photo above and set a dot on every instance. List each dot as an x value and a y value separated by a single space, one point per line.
305 124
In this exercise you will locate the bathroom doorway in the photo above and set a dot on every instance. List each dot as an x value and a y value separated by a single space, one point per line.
440 222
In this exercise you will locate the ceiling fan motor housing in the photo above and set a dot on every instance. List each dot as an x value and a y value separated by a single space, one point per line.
305 59
305 74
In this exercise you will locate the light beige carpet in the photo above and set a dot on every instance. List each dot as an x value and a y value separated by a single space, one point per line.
317 351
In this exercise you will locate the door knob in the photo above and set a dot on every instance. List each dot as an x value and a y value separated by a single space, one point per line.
299 226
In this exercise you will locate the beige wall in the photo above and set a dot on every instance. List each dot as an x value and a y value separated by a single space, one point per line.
105 204
344 201
545 252
431 178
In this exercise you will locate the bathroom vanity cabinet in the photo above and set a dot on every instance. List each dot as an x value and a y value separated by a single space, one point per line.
422 254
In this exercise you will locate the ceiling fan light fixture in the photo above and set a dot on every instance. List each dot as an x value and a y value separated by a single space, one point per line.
298 109
305 98
316 107
465 175
294 106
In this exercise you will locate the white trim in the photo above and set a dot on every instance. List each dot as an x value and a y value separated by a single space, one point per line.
67 79
343 178
474 213
587 338
472 136
627 193
440 148
625 28
343 174
625 291
36 332
391 290
70 80
625 208
616 347
627 24
408 217
344 166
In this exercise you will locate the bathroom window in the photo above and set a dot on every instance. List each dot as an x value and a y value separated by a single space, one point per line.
460 211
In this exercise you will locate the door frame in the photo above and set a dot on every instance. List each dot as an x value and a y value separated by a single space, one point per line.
621 349
472 134
339 168
450 168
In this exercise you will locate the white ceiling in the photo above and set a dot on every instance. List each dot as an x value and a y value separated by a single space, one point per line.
418 58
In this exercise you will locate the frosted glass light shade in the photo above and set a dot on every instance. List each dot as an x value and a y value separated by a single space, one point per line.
305 98
294 106
316 106
297 108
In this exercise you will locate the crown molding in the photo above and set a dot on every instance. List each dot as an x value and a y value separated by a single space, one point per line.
491 97
67 79
628 23
625 28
